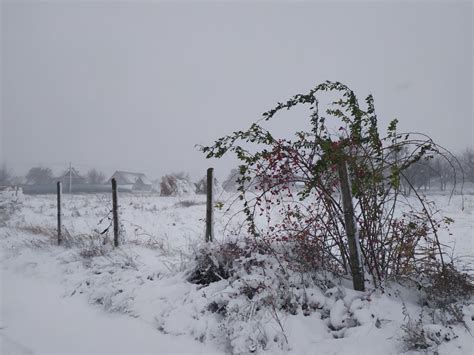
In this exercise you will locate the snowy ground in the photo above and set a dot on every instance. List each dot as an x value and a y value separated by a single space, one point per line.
86 298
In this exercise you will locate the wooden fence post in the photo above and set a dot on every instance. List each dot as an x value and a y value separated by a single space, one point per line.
59 192
209 207
351 228
115 212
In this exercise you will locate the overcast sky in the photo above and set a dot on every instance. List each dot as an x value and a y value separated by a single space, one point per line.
135 85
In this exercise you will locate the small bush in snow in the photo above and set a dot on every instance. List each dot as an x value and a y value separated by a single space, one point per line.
201 186
177 184
414 335
214 263
93 245
418 335
11 200
448 286
446 292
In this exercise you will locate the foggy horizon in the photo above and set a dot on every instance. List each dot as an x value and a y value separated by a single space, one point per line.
135 86
336 235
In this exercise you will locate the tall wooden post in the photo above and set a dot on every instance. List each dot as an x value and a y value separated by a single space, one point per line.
209 209
351 228
59 192
115 212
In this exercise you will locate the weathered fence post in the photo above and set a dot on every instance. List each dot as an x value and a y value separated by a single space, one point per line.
209 207
59 192
351 228
115 212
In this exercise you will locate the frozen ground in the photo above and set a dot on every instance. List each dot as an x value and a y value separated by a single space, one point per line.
87 298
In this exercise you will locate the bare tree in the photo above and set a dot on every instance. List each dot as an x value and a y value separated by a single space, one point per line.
467 162
443 171
5 177
95 177
419 174
39 176
230 184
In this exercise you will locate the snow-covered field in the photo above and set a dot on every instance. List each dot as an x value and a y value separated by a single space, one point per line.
85 297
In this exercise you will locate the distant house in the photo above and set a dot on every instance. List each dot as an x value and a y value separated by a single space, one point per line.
132 181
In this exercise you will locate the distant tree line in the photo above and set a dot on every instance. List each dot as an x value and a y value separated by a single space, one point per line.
438 173
426 174
422 175
40 175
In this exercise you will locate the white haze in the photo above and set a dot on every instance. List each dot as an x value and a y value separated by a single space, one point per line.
135 85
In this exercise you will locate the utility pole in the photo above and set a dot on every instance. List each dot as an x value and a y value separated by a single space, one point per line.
70 177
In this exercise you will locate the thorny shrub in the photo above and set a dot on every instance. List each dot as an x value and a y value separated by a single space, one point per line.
291 193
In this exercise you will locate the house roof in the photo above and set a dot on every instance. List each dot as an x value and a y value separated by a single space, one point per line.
126 177
71 172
